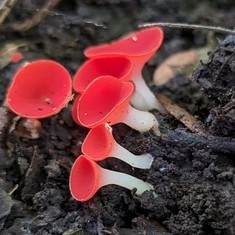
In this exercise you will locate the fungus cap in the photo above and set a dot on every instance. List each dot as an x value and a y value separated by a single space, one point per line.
138 46
16 57
39 89
74 109
116 66
84 179
98 143
108 100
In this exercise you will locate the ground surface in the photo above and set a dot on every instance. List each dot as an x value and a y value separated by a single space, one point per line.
193 175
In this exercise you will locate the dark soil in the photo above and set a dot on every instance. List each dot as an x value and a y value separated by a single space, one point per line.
193 175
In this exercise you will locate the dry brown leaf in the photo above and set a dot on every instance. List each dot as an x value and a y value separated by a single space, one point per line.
183 63
180 63
170 67
27 128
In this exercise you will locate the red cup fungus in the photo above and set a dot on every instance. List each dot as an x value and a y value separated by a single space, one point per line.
138 47
74 109
116 66
39 89
100 144
106 100
87 177
16 57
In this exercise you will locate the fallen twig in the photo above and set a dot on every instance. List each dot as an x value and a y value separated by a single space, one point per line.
182 115
30 23
217 29
5 8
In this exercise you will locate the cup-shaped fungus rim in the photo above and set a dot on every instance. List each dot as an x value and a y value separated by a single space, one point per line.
106 100
143 43
98 143
84 178
74 112
87 177
39 89
116 66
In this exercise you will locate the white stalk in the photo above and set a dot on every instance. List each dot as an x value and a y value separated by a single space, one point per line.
143 98
127 181
141 120
143 161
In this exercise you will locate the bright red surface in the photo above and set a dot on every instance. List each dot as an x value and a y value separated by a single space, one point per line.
116 66
74 110
106 100
84 179
140 45
39 89
16 57
98 143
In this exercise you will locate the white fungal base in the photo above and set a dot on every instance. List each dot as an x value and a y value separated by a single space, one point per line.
143 161
127 181
141 120
143 98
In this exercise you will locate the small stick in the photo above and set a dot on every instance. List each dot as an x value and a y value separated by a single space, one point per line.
189 26
5 8
30 23
14 189
182 115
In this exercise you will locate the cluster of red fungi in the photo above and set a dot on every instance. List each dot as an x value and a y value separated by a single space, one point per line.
110 89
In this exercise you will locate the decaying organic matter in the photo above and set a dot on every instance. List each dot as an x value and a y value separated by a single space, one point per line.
193 174
217 80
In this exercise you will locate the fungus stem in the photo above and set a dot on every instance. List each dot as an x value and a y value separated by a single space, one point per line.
143 98
127 181
141 120
143 161
87 177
